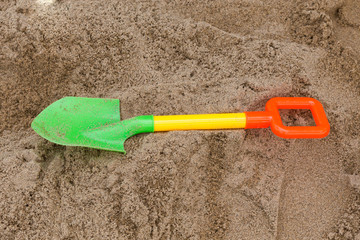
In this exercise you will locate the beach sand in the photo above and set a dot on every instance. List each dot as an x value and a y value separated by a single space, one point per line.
181 57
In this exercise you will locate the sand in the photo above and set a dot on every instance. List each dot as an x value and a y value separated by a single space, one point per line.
181 57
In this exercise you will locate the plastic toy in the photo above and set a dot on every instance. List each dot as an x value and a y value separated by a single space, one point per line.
95 123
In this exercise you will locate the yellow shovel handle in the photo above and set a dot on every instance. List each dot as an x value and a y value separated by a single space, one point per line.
199 121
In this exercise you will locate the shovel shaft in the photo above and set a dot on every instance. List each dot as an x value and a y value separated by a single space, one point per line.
268 118
199 122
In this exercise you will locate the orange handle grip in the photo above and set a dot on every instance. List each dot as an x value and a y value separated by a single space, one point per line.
271 117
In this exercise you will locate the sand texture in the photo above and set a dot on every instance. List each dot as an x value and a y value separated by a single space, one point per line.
181 57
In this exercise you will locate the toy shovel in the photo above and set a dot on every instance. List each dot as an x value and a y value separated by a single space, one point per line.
95 122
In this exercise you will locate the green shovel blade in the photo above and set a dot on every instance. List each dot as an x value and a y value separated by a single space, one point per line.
89 122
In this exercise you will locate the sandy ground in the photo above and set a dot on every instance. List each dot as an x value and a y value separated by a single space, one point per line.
181 57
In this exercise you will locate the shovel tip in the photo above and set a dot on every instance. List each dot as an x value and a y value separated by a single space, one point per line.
89 122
